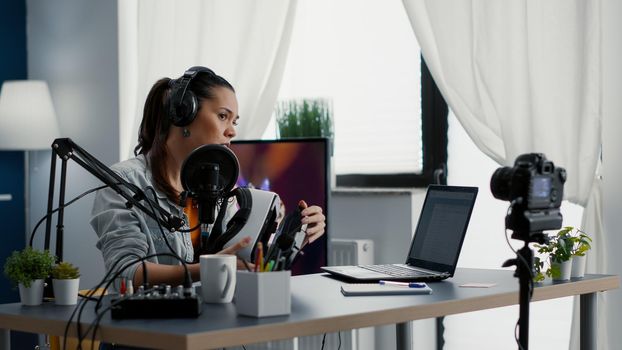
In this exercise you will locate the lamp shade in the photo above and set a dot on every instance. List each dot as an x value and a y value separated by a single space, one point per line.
27 118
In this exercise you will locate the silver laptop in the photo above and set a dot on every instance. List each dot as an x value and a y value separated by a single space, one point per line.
436 245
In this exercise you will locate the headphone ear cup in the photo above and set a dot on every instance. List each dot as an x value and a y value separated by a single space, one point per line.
183 110
244 199
183 103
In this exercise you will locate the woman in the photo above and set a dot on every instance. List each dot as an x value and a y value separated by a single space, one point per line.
170 129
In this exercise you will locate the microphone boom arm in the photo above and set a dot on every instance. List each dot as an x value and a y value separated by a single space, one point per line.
66 149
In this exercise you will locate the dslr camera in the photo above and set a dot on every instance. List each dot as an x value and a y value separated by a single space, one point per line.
535 188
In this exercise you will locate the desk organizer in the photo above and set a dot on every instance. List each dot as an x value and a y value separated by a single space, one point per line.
260 294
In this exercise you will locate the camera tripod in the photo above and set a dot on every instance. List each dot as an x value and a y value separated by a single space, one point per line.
524 272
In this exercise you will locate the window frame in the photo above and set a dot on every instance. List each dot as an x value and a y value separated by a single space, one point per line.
434 124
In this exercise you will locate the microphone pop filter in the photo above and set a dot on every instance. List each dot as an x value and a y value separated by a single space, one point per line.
208 164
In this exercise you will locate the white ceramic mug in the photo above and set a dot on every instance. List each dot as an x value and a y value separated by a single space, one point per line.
218 277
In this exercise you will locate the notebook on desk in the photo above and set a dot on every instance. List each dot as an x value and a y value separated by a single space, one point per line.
365 289
436 245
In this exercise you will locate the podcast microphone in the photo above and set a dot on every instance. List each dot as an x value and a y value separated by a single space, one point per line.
208 175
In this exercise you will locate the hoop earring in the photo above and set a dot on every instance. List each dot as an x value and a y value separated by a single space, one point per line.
186 132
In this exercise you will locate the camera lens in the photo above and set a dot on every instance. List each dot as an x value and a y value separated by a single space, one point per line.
500 183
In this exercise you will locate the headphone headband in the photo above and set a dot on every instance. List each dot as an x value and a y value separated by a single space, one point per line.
183 103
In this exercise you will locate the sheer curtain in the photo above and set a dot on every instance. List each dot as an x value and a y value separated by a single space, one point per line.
246 42
524 76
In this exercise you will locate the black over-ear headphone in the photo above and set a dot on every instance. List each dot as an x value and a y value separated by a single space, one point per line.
217 239
183 104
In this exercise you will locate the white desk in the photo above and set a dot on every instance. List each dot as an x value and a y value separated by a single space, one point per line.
317 307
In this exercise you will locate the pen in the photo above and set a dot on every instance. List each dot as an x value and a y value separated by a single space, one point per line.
404 284
257 267
259 257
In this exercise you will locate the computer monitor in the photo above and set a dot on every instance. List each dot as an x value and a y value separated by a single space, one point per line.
295 169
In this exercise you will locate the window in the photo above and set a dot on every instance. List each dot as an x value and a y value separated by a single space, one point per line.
364 57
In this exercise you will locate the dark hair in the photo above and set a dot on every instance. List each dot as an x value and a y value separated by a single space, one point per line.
155 124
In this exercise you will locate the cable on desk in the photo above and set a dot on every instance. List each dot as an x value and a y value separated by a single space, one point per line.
187 284
108 280
89 296
339 334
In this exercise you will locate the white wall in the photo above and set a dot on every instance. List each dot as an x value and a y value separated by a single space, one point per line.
72 44
387 217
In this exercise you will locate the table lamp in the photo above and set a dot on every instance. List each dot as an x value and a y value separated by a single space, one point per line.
27 118
27 123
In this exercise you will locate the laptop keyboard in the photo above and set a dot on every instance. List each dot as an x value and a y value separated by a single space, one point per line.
394 270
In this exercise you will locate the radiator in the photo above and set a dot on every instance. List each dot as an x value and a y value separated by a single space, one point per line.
341 252
351 252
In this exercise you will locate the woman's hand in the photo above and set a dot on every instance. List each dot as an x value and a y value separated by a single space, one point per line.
314 219
243 243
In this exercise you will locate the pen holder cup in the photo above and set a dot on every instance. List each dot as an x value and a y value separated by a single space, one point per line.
260 294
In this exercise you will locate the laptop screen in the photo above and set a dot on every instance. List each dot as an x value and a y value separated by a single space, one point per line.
441 228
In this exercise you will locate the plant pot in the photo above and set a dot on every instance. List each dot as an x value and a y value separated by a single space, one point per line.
32 295
578 266
565 269
66 291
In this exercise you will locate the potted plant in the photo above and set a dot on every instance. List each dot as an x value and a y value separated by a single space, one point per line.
66 282
304 118
311 117
27 269
558 255
581 244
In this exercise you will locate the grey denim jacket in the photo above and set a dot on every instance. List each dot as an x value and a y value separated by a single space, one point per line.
125 234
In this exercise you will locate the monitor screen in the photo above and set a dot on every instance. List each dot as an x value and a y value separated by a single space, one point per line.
295 169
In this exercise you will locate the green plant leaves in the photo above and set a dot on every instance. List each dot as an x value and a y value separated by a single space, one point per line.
28 265
554 271
304 118
538 265
568 242
65 271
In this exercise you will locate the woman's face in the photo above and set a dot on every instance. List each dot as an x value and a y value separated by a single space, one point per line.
216 119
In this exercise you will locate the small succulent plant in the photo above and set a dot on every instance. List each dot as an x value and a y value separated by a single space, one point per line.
65 271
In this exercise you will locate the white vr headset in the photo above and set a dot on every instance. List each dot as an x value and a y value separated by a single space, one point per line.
257 217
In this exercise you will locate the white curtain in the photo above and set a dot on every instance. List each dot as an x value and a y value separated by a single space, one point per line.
246 42
523 76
